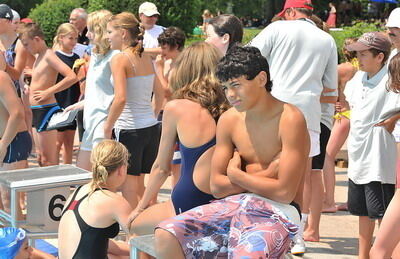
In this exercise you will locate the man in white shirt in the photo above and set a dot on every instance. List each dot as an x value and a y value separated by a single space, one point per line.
148 15
303 60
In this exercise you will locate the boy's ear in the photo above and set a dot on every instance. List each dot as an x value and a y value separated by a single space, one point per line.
381 57
262 78
37 38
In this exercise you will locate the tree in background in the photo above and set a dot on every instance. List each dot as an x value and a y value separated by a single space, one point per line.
22 6
181 13
51 13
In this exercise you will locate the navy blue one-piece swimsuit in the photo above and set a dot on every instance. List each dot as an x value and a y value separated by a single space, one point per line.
186 195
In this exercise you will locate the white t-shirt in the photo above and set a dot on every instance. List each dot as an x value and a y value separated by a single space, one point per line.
372 149
302 59
150 36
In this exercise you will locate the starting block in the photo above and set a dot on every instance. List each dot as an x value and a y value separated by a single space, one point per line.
47 190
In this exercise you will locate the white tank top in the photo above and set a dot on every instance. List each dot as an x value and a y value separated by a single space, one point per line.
138 111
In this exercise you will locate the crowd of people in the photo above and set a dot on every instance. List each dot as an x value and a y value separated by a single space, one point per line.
249 134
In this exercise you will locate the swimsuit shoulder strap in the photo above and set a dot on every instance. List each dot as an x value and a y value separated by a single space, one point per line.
72 200
81 223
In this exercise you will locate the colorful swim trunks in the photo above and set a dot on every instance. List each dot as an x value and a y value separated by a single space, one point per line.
239 226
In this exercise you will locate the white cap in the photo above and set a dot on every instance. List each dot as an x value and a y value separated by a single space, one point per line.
15 15
394 18
148 9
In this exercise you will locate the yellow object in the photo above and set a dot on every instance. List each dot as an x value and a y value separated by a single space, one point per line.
340 115
78 63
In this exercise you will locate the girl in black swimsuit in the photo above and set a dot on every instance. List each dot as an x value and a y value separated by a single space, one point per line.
94 212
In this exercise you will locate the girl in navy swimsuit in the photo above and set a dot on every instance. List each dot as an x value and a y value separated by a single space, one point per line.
94 212
190 118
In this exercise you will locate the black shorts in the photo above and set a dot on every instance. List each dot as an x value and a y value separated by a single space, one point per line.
318 161
69 127
41 114
369 199
142 145
19 148
79 121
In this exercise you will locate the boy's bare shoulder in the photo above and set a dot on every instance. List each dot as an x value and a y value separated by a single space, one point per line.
292 117
50 57
50 53
230 117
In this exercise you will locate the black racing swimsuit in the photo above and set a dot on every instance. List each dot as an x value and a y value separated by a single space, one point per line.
94 241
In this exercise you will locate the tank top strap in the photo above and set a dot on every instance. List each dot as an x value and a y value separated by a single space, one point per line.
130 61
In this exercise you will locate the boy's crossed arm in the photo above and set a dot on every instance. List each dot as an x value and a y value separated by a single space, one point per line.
220 184
280 181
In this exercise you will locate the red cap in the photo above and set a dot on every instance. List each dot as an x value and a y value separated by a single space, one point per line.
26 20
296 4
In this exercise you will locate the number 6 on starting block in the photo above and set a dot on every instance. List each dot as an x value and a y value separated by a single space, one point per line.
44 207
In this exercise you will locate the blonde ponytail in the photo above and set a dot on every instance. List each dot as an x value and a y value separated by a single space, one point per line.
106 158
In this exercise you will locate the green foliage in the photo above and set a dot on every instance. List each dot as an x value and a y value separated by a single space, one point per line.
114 6
22 6
354 31
180 13
51 13
249 34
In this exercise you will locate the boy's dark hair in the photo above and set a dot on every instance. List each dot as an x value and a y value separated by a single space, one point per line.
30 30
230 24
243 61
173 37
375 53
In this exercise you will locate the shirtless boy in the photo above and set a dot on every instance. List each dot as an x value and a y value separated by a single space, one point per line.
258 165
42 89
15 141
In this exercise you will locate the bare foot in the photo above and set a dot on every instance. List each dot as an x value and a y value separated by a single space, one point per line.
310 236
329 209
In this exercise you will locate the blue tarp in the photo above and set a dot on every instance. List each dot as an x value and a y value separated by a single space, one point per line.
386 1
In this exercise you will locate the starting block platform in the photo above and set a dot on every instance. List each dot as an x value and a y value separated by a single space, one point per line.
47 189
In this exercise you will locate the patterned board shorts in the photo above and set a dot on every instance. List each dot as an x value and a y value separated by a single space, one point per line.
239 226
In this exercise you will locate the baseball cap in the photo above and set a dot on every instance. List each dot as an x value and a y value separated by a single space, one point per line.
11 240
296 4
15 15
371 40
394 18
148 9
26 20
6 12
